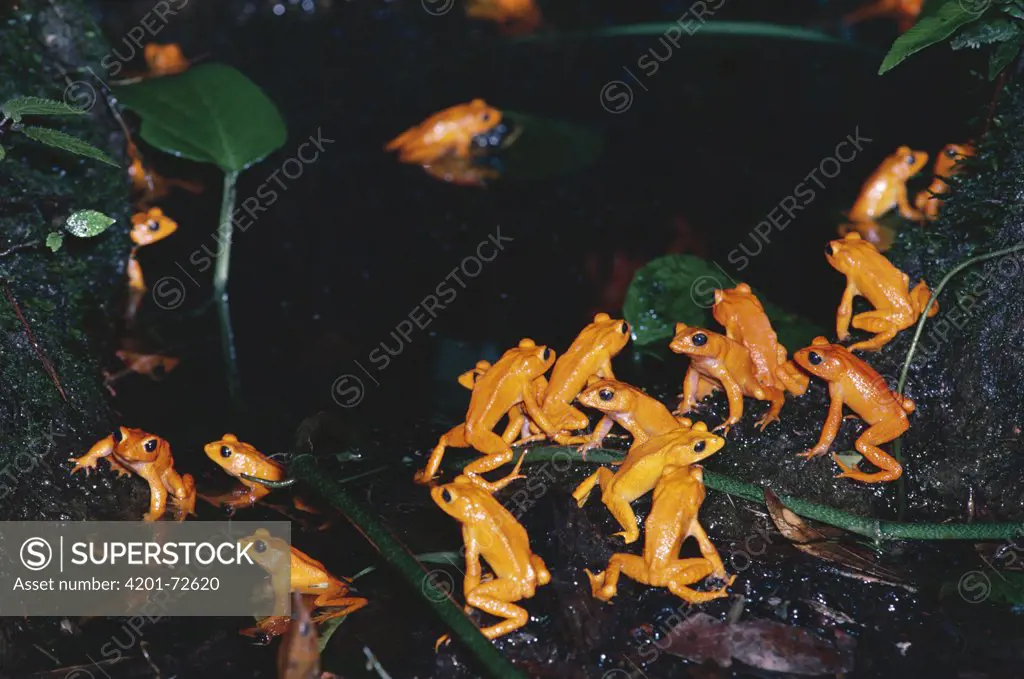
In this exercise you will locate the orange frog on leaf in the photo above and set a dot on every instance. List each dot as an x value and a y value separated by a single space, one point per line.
717 361
744 319
491 533
236 458
449 132
151 226
870 274
947 164
673 518
905 12
854 383
884 190
290 571
135 451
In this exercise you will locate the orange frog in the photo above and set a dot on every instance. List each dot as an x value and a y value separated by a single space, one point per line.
641 415
237 458
643 467
136 288
717 360
149 185
518 424
165 59
588 358
870 274
855 383
151 226
884 190
496 392
947 164
298 657
490 532
135 451
293 571
673 518
744 319
449 132
905 12
156 366
515 17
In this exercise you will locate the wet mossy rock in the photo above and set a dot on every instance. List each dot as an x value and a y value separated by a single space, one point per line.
67 298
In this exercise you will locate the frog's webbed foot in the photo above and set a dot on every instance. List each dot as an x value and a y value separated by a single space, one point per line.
812 453
422 478
724 428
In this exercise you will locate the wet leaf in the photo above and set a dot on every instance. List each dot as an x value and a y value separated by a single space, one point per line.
986 33
87 223
37 106
66 142
937 22
1002 56
211 113
54 240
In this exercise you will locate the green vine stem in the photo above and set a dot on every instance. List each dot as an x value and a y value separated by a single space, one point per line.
897 445
861 525
304 469
220 288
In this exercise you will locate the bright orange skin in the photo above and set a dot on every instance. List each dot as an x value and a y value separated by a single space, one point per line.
294 571
744 319
516 17
136 287
151 226
149 185
855 383
947 164
154 366
905 12
884 190
588 358
461 171
870 274
673 518
643 467
499 390
717 361
641 415
135 451
298 657
490 532
165 59
236 458
449 132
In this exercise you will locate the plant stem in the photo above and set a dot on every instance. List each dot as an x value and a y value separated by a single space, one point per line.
220 289
412 571
861 525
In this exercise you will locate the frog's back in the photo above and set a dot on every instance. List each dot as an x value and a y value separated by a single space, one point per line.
504 543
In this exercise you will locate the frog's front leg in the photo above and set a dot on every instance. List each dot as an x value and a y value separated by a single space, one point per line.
776 397
602 477
101 449
495 597
867 445
689 396
183 492
832 422
707 549
623 513
906 209
456 436
734 393
845 310
157 500
885 325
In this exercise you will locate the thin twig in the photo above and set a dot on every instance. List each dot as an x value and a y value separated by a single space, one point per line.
47 366
24 246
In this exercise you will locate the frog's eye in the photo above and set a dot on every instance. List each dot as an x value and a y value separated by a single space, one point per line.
260 546
624 328
814 358
150 445
485 116
153 225
117 436
829 250
606 394
547 353
699 446
951 152
910 160
700 339
446 495
225 451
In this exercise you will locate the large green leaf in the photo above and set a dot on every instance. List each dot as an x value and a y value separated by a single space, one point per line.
66 142
937 22
211 113
37 106
680 288
549 148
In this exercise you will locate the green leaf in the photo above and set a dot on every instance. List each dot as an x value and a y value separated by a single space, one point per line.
54 240
1014 9
37 106
680 288
549 148
1001 57
986 33
327 631
211 114
929 29
87 223
66 142
3 153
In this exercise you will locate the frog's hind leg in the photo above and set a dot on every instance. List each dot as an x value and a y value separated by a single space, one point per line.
776 397
496 453
348 604
456 437
867 445
605 585
684 572
787 372
879 322
919 297
495 597
602 477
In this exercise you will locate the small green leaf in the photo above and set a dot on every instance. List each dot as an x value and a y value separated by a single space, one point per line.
88 223
37 106
54 240
1002 56
327 631
929 29
985 33
211 113
680 288
66 142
